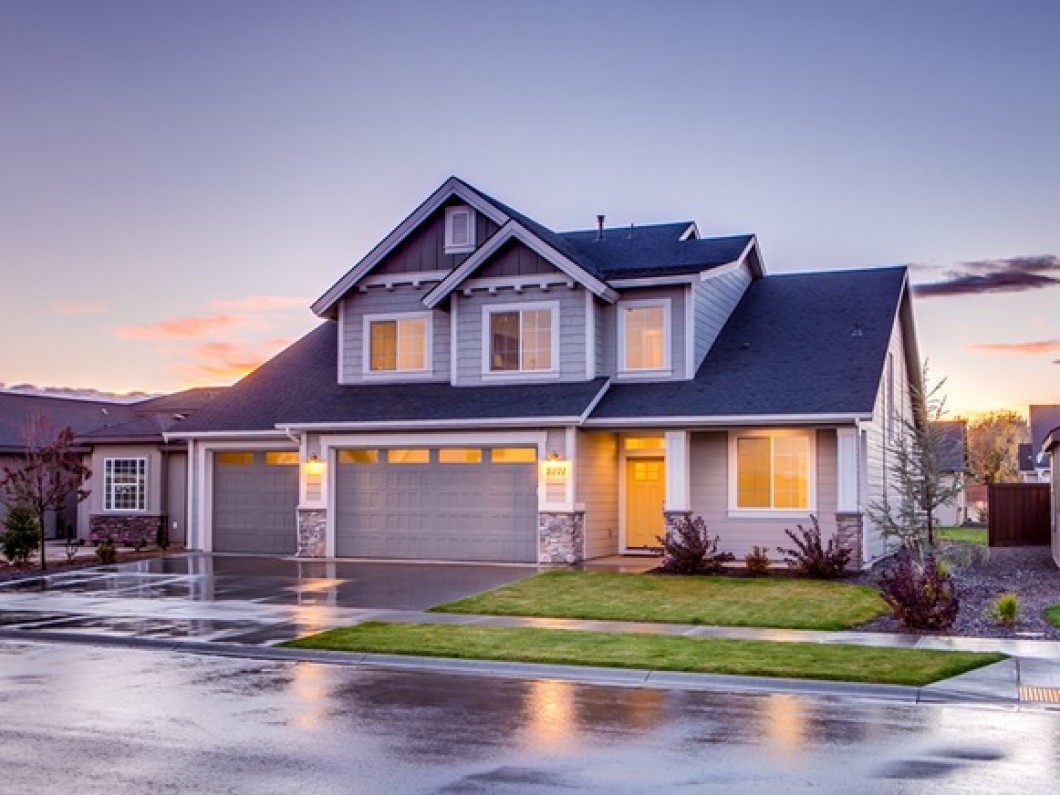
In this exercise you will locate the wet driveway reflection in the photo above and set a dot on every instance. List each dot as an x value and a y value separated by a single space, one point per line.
212 724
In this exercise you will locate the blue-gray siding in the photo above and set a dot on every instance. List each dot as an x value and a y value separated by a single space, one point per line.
713 301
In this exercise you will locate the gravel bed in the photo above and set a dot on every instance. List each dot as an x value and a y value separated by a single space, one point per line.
982 574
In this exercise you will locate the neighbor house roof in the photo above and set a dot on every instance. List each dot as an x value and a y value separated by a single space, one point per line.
1026 455
153 417
80 415
808 344
954 445
299 387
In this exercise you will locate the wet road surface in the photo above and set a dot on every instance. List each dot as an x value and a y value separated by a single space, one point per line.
94 719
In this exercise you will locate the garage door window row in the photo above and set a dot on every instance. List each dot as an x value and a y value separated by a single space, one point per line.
443 455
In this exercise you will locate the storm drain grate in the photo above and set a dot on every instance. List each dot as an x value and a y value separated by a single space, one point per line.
1044 695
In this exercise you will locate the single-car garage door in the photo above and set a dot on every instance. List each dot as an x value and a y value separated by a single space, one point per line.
255 502
466 503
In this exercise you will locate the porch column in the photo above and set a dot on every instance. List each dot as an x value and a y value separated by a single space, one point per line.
312 507
850 524
678 472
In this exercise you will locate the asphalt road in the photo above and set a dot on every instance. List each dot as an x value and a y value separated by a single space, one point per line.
93 719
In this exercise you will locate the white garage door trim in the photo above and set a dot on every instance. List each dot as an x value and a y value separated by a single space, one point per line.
330 444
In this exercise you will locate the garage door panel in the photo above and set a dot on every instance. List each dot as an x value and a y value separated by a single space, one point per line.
254 505
441 511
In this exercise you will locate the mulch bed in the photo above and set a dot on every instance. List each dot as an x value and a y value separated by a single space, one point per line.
982 574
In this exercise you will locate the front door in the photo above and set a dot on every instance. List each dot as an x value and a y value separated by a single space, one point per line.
645 497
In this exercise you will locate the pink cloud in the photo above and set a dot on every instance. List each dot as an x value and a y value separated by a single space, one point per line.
1030 348
225 362
259 303
79 308
181 328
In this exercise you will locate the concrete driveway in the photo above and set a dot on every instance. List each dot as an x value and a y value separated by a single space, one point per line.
235 599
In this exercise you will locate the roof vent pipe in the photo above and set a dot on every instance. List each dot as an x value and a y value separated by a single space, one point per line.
600 227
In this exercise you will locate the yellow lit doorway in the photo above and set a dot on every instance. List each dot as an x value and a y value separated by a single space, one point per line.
645 497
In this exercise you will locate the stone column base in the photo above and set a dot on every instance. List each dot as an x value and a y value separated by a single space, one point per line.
560 538
850 533
312 533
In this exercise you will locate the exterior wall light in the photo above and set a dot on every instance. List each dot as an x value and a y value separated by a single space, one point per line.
314 466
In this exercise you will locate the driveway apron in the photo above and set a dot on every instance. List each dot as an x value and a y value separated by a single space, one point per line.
236 599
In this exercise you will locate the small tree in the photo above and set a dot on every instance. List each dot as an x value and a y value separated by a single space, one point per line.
994 438
51 473
918 480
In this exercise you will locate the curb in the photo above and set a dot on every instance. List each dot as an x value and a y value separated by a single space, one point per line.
610 677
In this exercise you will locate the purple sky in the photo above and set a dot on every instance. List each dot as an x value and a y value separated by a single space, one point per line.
179 180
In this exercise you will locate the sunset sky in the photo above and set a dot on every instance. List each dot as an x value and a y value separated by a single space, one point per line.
179 180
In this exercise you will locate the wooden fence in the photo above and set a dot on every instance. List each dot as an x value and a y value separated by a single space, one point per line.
1018 515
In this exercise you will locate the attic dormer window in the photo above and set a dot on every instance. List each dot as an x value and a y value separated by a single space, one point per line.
459 230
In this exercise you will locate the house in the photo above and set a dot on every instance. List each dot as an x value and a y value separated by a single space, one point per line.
481 387
953 462
1051 448
16 409
1036 467
138 479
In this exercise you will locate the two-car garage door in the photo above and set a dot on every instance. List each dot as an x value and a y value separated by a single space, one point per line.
468 503
437 504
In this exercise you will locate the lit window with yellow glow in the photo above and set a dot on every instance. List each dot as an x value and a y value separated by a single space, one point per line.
397 345
773 471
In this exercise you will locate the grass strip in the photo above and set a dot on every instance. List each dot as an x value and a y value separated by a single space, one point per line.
964 535
782 603
654 652
1052 614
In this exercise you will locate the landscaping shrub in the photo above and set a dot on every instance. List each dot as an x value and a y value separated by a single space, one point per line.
107 552
162 536
1006 609
689 549
921 593
810 557
757 561
22 535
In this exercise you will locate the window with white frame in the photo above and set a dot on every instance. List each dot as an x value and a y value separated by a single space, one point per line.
397 344
125 484
459 230
520 338
772 470
643 335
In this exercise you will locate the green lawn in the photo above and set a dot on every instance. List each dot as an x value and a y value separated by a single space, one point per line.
655 652
1052 615
966 535
722 601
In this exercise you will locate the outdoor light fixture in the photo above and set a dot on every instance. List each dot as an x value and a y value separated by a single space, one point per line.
314 466
553 456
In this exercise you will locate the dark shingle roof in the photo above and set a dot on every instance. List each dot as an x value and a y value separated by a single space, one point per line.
80 415
810 343
953 455
299 386
653 250
1027 456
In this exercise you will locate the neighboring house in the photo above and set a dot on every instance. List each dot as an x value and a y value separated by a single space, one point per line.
483 388
137 477
1051 448
1042 420
16 409
954 464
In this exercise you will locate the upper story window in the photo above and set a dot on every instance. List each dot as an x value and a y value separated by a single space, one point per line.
397 343
520 338
125 484
643 334
459 230
772 470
